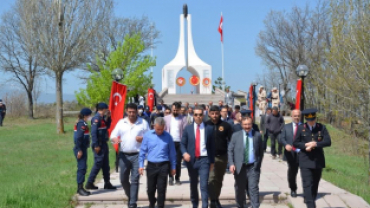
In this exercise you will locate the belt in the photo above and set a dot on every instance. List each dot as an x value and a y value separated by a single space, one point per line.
201 157
248 164
130 154
158 164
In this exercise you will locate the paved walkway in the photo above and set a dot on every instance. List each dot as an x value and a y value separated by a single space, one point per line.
274 192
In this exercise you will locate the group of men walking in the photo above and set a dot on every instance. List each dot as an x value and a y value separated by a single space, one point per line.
210 145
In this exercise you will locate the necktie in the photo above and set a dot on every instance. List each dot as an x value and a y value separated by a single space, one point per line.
197 142
246 149
295 134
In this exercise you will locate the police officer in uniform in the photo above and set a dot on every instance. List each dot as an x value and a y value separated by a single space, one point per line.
81 141
100 123
311 138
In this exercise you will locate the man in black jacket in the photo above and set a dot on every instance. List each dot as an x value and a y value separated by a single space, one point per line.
275 124
2 112
222 132
311 138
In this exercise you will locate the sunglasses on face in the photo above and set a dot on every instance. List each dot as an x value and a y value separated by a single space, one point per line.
196 114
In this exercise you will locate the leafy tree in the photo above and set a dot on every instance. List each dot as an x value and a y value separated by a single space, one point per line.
129 57
218 84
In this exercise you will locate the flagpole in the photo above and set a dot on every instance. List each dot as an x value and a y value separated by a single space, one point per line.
222 54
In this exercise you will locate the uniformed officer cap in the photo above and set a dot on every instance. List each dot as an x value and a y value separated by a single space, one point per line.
147 108
245 112
140 107
309 114
102 106
85 112
159 107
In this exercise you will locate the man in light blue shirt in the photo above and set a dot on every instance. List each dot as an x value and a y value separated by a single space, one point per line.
160 149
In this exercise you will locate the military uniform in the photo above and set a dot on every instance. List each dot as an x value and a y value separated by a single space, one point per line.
275 99
99 134
262 104
311 162
82 142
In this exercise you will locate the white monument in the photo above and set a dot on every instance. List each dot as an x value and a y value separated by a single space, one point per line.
192 63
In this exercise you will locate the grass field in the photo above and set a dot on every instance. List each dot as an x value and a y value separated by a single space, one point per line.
37 166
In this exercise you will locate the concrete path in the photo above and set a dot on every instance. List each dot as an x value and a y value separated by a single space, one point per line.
274 192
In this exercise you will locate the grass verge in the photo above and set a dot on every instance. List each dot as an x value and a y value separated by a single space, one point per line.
37 166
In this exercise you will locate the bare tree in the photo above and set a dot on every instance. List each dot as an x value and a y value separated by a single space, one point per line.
19 49
68 33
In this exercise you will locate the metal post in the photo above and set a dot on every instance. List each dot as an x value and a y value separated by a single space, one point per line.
302 99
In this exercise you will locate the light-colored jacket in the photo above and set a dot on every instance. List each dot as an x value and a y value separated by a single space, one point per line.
229 98
182 124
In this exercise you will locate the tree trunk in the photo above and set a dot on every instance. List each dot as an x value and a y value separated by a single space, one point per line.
30 104
59 99
368 120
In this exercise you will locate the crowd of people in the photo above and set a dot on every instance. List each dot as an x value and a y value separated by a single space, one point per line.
210 140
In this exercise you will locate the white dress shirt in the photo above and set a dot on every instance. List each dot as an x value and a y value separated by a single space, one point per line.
203 147
128 133
175 129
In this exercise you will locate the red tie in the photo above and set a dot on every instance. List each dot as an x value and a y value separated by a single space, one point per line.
295 133
197 142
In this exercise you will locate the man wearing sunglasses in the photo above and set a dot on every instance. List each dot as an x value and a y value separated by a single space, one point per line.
197 148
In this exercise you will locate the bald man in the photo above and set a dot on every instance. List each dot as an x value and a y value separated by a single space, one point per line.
290 153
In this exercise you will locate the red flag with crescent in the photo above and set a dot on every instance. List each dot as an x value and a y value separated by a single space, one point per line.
116 105
220 29
251 97
151 97
298 94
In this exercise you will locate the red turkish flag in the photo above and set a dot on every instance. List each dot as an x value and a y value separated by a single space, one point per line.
220 28
251 98
298 95
151 97
117 105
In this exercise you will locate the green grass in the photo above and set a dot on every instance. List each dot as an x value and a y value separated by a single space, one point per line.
37 166
347 163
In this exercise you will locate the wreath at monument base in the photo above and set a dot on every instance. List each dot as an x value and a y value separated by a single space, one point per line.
206 82
180 81
194 80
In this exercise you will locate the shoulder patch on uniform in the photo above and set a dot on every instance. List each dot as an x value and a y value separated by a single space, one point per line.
83 127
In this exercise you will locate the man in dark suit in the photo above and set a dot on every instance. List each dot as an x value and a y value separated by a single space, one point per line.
311 139
263 127
197 148
245 154
291 153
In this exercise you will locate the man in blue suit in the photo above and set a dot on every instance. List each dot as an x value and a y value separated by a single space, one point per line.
197 148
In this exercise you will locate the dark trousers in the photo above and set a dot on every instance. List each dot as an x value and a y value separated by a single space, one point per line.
178 162
293 165
129 163
81 165
265 138
247 179
157 181
310 180
2 117
275 139
216 177
101 161
199 170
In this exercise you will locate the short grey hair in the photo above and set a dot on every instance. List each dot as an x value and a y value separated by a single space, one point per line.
159 121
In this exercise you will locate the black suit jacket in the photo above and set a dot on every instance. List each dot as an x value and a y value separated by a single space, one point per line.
188 142
314 159
236 150
286 137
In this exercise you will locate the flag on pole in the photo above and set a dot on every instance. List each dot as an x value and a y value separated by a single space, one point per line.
220 28
151 98
251 100
298 94
116 105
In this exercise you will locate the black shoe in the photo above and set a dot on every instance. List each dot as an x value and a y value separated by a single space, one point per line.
218 204
81 191
132 206
213 204
170 183
293 194
90 186
151 205
108 185
178 182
